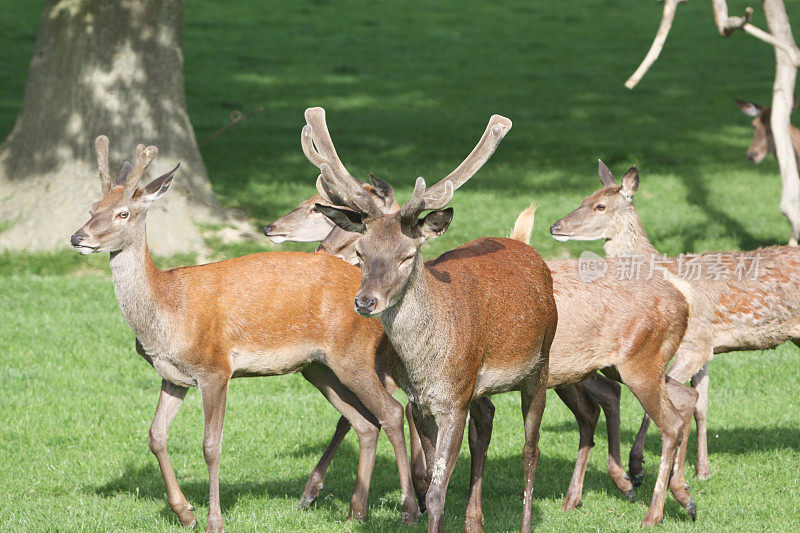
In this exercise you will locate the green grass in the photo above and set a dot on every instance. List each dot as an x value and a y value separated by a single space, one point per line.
408 90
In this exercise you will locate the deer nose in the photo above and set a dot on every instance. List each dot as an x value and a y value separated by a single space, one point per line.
751 156
555 228
365 305
77 238
269 229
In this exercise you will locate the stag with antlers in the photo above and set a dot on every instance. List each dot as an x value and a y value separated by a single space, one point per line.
455 323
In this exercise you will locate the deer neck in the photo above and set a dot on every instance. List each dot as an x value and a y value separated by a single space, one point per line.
136 287
411 323
628 237
340 243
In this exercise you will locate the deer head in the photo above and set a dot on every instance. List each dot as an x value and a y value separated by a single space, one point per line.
763 141
388 252
599 214
118 218
308 224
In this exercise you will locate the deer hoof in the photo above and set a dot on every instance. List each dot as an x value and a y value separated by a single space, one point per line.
355 517
306 502
636 480
473 526
691 508
187 520
409 519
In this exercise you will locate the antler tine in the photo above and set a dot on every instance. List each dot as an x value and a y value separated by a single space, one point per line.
436 197
143 158
101 149
308 147
315 117
346 192
416 204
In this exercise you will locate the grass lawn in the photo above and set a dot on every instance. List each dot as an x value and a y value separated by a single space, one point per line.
408 90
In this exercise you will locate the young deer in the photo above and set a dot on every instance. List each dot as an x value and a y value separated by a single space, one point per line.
763 144
585 399
744 310
478 320
262 314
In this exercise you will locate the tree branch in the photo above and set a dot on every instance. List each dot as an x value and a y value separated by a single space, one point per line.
727 25
658 42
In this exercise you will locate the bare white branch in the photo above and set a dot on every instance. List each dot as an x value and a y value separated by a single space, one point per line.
658 43
726 25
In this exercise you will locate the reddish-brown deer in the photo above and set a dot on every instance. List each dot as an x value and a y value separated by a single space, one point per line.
585 399
262 314
462 327
743 300
763 144
448 320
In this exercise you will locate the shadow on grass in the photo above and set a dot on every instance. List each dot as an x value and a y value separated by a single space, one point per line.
502 491
698 195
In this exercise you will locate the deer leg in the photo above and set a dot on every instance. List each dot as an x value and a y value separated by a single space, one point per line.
684 399
651 391
533 400
448 443
607 393
419 469
389 413
480 433
700 383
169 401
365 424
317 477
214 392
586 414
426 428
636 455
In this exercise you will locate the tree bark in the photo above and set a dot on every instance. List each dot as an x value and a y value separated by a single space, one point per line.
110 67
782 103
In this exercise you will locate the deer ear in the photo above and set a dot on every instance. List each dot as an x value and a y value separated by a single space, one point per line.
435 223
630 183
751 109
605 174
346 219
158 187
122 177
382 189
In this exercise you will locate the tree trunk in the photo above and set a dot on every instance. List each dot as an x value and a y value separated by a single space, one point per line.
108 67
782 98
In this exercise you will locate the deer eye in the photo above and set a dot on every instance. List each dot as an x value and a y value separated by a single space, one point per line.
122 214
409 258
600 207
314 209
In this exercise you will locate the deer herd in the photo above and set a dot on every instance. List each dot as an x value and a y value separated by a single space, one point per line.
366 315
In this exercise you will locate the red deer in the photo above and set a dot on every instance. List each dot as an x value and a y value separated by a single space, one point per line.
745 310
763 144
584 399
262 314
478 321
